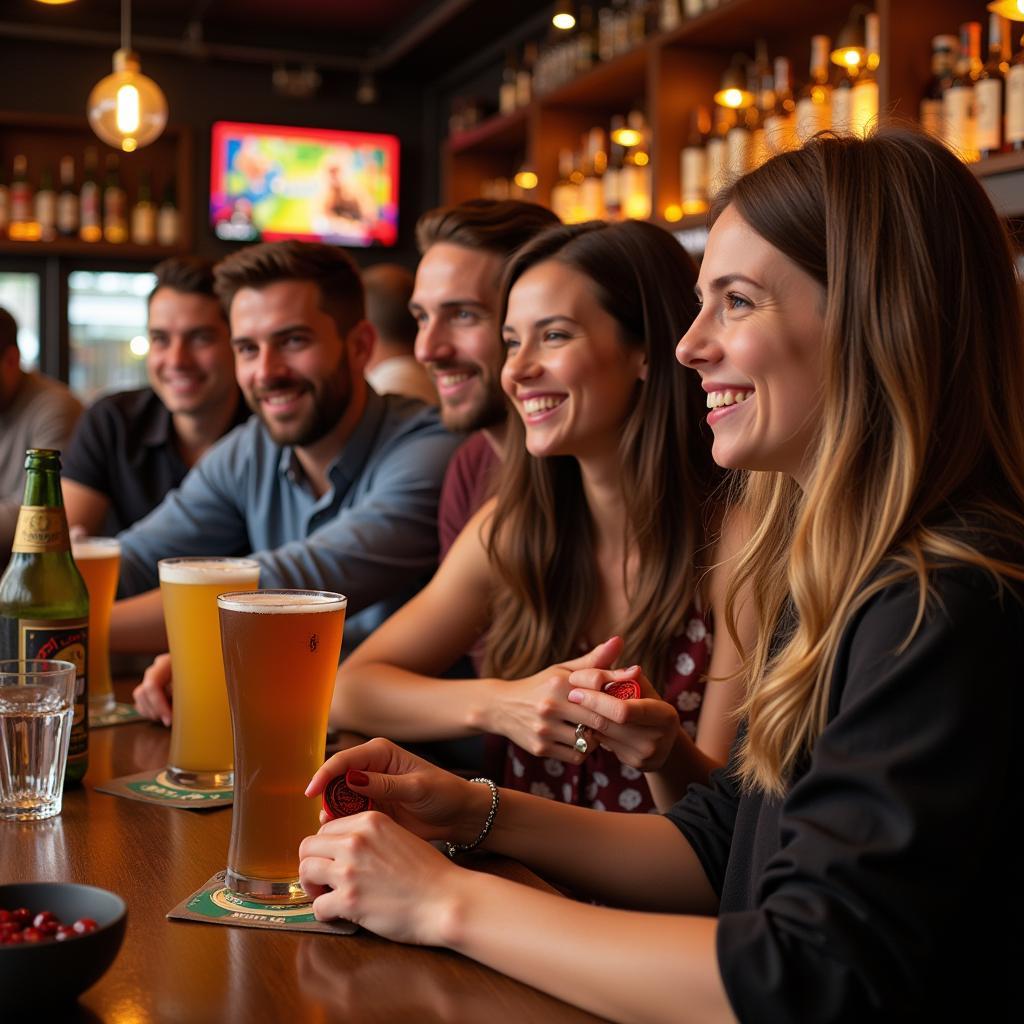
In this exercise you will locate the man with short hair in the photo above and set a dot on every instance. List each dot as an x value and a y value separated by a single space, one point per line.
131 448
455 304
35 412
393 369
331 485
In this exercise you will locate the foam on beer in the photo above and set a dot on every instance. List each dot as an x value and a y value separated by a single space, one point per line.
226 572
290 602
95 547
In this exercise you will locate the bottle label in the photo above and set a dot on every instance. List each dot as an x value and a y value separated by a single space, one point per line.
57 640
864 112
90 200
1015 104
958 111
40 528
931 117
694 168
21 202
812 117
67 213
842 110
988 99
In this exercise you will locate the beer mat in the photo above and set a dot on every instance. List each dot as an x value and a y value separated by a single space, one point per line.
156 787
120 715
216 904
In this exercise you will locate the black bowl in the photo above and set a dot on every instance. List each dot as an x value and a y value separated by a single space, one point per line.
49 972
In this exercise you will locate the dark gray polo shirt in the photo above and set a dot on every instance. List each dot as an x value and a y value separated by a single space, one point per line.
124 448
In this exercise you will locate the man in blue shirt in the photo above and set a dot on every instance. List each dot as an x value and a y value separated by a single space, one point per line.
330 485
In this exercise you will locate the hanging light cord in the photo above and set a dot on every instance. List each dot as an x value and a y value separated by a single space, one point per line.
126 24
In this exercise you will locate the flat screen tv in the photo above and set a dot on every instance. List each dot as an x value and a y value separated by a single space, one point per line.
269 182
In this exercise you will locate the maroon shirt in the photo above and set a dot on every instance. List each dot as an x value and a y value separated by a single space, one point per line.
468 483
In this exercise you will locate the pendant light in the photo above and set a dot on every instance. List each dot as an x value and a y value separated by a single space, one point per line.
126 109
1012 9
851 50
734 92
563 17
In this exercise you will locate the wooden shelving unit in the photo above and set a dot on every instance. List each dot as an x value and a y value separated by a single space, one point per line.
673 72
44 139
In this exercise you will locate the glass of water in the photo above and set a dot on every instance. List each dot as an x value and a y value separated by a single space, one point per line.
37 700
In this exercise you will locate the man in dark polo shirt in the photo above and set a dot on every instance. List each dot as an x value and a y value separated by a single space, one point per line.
132 447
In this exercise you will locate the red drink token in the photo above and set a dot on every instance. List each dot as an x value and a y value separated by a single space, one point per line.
624 689
340 801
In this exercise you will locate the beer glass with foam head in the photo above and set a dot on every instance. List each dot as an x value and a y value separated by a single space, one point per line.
281 651
99 561
201 749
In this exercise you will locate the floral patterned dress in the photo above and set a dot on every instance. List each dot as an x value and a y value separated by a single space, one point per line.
603 782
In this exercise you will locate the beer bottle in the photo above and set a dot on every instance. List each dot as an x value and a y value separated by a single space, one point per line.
44 606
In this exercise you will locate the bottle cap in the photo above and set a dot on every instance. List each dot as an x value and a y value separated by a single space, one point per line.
624 689
339 801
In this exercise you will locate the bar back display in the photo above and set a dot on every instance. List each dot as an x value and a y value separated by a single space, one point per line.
270 182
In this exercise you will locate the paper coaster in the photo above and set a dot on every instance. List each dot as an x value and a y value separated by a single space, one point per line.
215 904
119 715
156 787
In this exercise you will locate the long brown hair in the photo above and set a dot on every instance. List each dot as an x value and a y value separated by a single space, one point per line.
921 443
542 541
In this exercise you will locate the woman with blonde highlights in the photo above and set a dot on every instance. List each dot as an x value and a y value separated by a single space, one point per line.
860 342
599 530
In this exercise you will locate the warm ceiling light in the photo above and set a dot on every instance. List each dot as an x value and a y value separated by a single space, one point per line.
126 109
1012 9
563 17
525 179
851 50
55 3
733 92
626 136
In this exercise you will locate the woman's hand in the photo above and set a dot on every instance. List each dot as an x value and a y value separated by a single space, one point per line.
426 800
641 732
368 869
153 695
536 714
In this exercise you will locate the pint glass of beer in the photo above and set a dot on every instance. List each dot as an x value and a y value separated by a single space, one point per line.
201 754
281 651
99 561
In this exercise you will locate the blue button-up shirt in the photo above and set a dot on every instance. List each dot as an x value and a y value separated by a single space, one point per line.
372 536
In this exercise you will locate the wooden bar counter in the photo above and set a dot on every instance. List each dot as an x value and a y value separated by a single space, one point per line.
154 857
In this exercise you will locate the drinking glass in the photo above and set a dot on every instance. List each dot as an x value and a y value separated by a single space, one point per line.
99 561
200 755
281 651
37 701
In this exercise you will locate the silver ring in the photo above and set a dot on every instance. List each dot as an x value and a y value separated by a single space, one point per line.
581 740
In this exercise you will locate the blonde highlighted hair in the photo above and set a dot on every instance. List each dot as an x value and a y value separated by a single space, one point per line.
919 461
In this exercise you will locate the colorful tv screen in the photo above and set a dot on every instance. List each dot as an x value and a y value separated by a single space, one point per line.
269 182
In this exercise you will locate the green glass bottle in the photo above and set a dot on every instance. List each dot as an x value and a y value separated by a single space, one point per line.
44 605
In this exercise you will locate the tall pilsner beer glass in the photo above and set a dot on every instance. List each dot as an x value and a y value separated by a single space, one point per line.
200 720
281 651
99 561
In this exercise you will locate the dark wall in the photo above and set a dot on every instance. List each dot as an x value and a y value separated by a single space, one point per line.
46 78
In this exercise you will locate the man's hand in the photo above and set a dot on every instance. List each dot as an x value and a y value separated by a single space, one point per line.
153 695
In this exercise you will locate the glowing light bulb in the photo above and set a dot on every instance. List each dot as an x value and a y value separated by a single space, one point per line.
128 109
563 21
526 180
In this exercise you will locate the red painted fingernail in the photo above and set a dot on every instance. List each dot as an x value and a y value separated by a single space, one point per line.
624 689
354 777
339 801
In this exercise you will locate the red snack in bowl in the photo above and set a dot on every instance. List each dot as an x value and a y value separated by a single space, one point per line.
624 689
339 801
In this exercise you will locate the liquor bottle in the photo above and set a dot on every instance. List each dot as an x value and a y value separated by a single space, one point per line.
115 205
144 213
611 183
168 225
1015 100
5 205
605 33
46 206
669 16
692 8
635 180
864 100
780 121
740 151
944 51
637 23
24 226
507 90
563 195
586 41
595 165
958 102
693 163
764 104
718 150
90 229
814 107
620 27
67 199
988 90
44 606
524 76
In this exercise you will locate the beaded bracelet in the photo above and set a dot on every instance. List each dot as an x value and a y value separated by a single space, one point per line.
455 848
